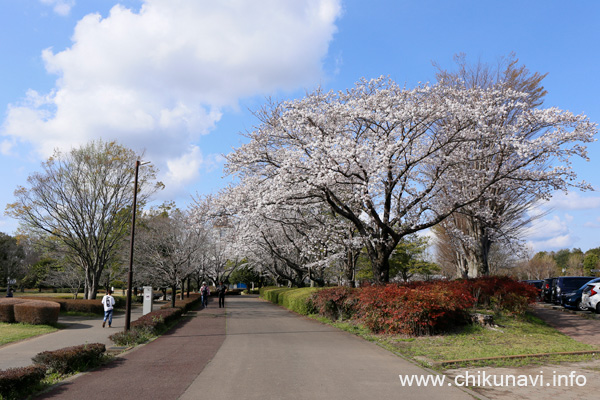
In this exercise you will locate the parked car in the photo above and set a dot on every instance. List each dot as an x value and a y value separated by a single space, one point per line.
574 299
564 284
546 295
590 297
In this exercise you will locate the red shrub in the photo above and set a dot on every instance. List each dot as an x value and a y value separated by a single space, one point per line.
415 310
335 303
157 319
16 382
71 359
501 293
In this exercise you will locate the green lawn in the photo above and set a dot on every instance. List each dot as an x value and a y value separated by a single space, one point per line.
516 336
528 335
14 332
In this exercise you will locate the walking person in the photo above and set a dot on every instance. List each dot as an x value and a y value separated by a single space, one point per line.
221 290
109 304
204 292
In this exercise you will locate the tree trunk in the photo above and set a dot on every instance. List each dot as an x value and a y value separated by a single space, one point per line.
381 267
173 295
350 267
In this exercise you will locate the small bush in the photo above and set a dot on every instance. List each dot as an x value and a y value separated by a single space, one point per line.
272 293
7 308
295 299
298 300
147 326
37 312
71 359
421 310
187 303
133 337
16 383
335 303
500 293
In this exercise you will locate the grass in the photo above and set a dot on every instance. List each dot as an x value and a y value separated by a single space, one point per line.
10 333
516 336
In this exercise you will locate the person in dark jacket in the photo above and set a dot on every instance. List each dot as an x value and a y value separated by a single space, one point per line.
221 290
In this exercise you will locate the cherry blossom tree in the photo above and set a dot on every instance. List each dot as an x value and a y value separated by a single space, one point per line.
394 161
295 241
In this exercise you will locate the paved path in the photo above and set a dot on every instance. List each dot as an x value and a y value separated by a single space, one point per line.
161 369
571 324
259 351
80 330
271 353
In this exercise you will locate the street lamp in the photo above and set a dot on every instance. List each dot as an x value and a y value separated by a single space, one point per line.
130 278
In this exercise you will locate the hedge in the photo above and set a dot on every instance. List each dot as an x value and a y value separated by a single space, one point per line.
36 312
75 305
71 359
416 308
17 383
147 326
187 304
295 299
7 308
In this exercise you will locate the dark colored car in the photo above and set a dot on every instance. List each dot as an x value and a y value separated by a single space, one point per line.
572 299
546 295
564 284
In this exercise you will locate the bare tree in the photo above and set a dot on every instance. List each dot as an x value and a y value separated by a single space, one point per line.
83 199
498 219
166 247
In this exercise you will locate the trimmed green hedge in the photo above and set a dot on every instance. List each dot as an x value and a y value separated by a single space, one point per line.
294 299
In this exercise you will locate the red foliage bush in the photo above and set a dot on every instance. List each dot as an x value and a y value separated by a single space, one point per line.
16 382
71 359
335 303
414 310
157 319
500 293
37 312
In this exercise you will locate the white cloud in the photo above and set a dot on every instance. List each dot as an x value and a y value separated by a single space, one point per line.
544 229
61 7
159 78
595 224
555 243
573 201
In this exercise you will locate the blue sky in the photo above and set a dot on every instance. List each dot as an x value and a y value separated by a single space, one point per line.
180 79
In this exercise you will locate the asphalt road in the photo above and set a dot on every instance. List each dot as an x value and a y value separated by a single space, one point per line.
271 353
253 350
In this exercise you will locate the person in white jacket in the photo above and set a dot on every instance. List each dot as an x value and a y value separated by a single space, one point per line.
109 304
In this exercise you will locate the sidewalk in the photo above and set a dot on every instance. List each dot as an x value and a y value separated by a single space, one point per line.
163 368
80 330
